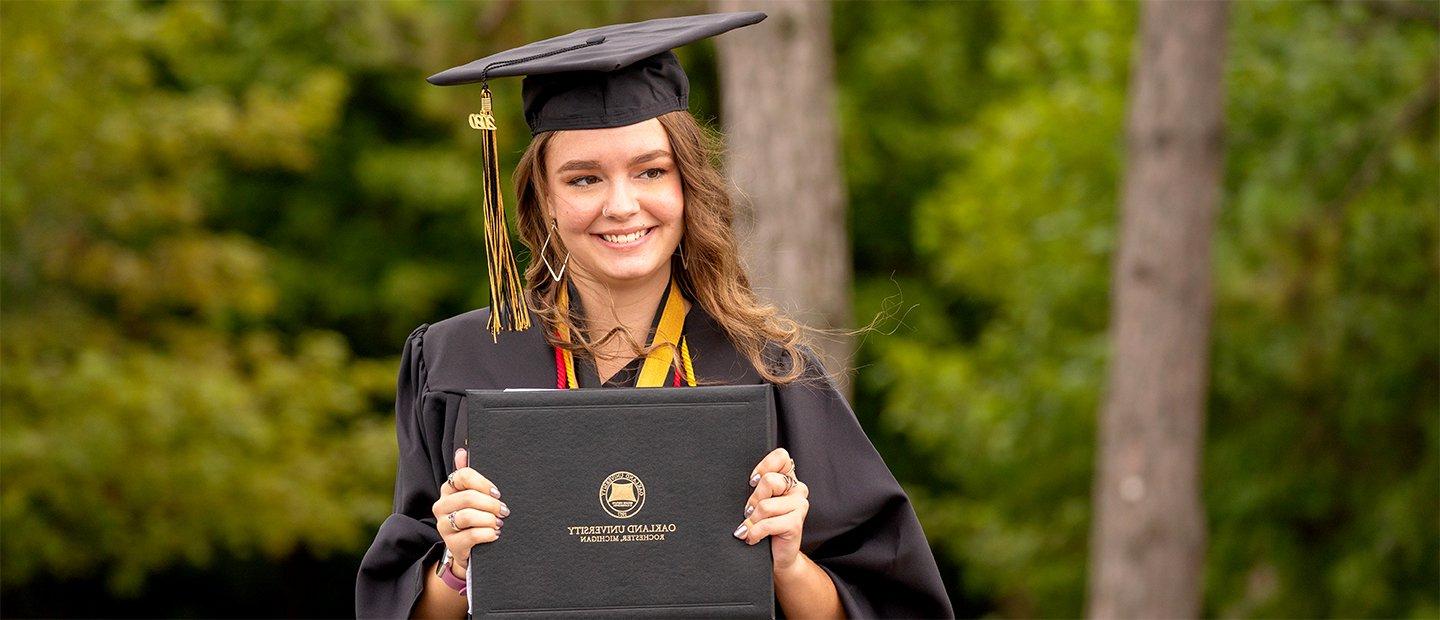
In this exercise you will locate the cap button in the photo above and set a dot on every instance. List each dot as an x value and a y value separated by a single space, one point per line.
595 40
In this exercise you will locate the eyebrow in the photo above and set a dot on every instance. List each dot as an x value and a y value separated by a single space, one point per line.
590 164
655 154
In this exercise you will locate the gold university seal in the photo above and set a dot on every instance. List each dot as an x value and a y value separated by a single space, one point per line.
622 494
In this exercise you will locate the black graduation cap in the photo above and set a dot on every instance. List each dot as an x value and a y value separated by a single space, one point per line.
611 76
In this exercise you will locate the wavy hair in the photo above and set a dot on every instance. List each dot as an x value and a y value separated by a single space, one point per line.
710 275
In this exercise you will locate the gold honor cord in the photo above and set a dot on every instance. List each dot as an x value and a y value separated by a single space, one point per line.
685 361
564 301
508 310
659 361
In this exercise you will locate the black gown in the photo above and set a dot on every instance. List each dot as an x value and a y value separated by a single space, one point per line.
860 529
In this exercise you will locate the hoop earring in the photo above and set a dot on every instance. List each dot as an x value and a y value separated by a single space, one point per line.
545 258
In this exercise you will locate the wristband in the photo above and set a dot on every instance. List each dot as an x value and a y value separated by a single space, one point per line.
446 575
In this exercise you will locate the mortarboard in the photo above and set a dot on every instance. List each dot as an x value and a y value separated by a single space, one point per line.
611 76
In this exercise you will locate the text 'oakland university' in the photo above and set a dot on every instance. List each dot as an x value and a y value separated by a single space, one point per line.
635 532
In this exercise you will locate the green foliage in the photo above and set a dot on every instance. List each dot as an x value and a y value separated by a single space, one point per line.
219 220
127 457
1014 243
1321 464
1325 489
151 415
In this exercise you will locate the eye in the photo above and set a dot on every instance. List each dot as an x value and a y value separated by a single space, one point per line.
653 173
583 181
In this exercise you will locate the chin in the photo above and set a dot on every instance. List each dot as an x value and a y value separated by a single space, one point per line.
631 275
631 272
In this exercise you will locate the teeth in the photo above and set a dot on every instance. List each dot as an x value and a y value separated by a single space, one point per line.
626 238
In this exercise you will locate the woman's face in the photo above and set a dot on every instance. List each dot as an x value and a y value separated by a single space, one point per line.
616 198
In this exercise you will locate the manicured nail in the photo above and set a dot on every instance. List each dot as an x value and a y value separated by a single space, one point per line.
499 523
494 492
504 510
755 479
740 531
749 509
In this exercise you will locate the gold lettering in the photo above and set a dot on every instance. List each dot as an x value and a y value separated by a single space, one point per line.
638 532
482 121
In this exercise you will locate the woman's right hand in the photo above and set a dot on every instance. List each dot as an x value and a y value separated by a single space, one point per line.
469 512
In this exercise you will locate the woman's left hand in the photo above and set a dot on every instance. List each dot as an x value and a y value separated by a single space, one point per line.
776 509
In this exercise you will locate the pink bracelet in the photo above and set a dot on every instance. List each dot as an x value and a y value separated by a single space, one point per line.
454 582
448 576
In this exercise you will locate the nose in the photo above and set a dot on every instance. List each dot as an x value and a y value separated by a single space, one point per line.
622 202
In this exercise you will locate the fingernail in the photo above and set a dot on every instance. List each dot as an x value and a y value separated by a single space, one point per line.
499 523
459 452
494 492
504 510
749 509
755 479
740 531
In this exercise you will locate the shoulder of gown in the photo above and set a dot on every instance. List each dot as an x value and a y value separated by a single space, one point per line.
437 364
461 353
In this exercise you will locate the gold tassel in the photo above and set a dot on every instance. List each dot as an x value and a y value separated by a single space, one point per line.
508 310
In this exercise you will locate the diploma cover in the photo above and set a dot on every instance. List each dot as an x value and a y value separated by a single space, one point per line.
622 502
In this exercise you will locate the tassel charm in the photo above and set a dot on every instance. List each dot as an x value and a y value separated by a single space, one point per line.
508 309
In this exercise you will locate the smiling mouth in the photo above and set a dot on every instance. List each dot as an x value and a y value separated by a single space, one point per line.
633 237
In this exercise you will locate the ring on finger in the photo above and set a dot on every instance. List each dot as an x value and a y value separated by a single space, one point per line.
451 518
450 480
790 483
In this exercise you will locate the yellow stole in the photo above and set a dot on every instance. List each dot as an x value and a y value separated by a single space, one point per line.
658 362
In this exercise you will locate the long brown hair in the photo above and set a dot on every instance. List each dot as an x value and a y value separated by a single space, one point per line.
710 273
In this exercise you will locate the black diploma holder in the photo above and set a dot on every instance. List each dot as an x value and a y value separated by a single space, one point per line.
623 502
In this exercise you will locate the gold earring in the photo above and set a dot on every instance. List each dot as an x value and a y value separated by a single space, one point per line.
544 256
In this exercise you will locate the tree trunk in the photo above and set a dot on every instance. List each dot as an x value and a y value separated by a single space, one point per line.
1148 535
778 108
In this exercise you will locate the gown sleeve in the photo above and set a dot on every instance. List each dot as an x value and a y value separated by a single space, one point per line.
392 574
861 528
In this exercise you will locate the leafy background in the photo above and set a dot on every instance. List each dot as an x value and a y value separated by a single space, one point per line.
218 221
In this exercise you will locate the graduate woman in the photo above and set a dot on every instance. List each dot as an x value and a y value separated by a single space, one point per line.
635 282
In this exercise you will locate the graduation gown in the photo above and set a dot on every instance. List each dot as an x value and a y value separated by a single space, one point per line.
861 528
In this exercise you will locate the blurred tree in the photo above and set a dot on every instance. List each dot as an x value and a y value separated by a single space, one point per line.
218 222
1322 478
1147 542
791 219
